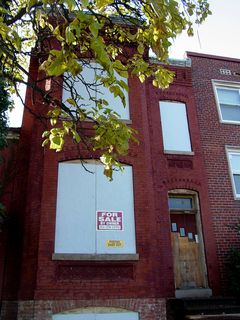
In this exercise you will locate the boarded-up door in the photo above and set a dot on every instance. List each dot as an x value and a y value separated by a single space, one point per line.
187 248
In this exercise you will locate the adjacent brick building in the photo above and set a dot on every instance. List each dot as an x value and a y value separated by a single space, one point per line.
216 89
87 248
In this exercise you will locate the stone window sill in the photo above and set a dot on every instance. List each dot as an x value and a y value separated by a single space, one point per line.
184 153
95 257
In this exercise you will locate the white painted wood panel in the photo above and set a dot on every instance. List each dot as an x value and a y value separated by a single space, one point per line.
116 195
75 220
99 316
89 75
117 316
72 316
80 195
175 126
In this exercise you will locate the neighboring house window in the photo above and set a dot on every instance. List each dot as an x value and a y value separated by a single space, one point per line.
175 126
94 215
228 102
97 91
234 164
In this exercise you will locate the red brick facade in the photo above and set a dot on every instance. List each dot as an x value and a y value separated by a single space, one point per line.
215 136
44 286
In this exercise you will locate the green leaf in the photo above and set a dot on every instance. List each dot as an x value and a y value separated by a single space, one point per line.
56 143
76 136
85 3
71 101
69 35
94 27
45 134
45 142
53 121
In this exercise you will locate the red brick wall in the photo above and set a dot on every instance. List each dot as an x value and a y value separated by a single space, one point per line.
214 137
148 309
180 171
154 176
140 277
10 237
155 173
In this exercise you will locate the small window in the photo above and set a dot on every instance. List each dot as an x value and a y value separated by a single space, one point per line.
175 129
180 203
94 215
97 91
234 164
228 101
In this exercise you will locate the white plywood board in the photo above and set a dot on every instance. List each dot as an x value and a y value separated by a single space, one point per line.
75 221
175 126
116 195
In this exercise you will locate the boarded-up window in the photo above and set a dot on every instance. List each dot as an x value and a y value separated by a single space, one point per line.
97 91
175 126
94 215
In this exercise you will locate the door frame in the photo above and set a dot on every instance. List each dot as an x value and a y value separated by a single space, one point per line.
196 208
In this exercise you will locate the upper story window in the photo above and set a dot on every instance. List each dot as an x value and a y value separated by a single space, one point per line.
96 90
234 165
94 215
228 101
175 129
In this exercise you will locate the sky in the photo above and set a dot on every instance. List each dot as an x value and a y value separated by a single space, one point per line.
218 35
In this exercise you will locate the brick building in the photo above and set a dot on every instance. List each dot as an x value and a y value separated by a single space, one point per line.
216 89
168 211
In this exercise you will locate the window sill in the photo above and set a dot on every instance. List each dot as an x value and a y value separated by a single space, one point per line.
236 197
184 153
230 122
96 257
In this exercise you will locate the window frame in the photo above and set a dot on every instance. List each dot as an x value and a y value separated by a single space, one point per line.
182 196
226 85
229 151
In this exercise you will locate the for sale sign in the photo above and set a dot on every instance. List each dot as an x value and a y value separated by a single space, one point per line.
109 220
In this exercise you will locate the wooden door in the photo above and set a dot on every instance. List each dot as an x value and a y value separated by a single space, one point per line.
188 261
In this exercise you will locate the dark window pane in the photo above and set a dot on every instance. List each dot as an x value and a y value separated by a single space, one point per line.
180 203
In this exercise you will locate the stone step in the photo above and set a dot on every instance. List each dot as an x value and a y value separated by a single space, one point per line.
212 309
232 316
202 308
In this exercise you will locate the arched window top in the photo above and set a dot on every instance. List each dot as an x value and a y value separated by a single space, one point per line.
182 191
172 101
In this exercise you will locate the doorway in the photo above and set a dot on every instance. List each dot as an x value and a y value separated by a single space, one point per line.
187 241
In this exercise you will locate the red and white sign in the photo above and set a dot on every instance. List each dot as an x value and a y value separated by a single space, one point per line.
109 220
